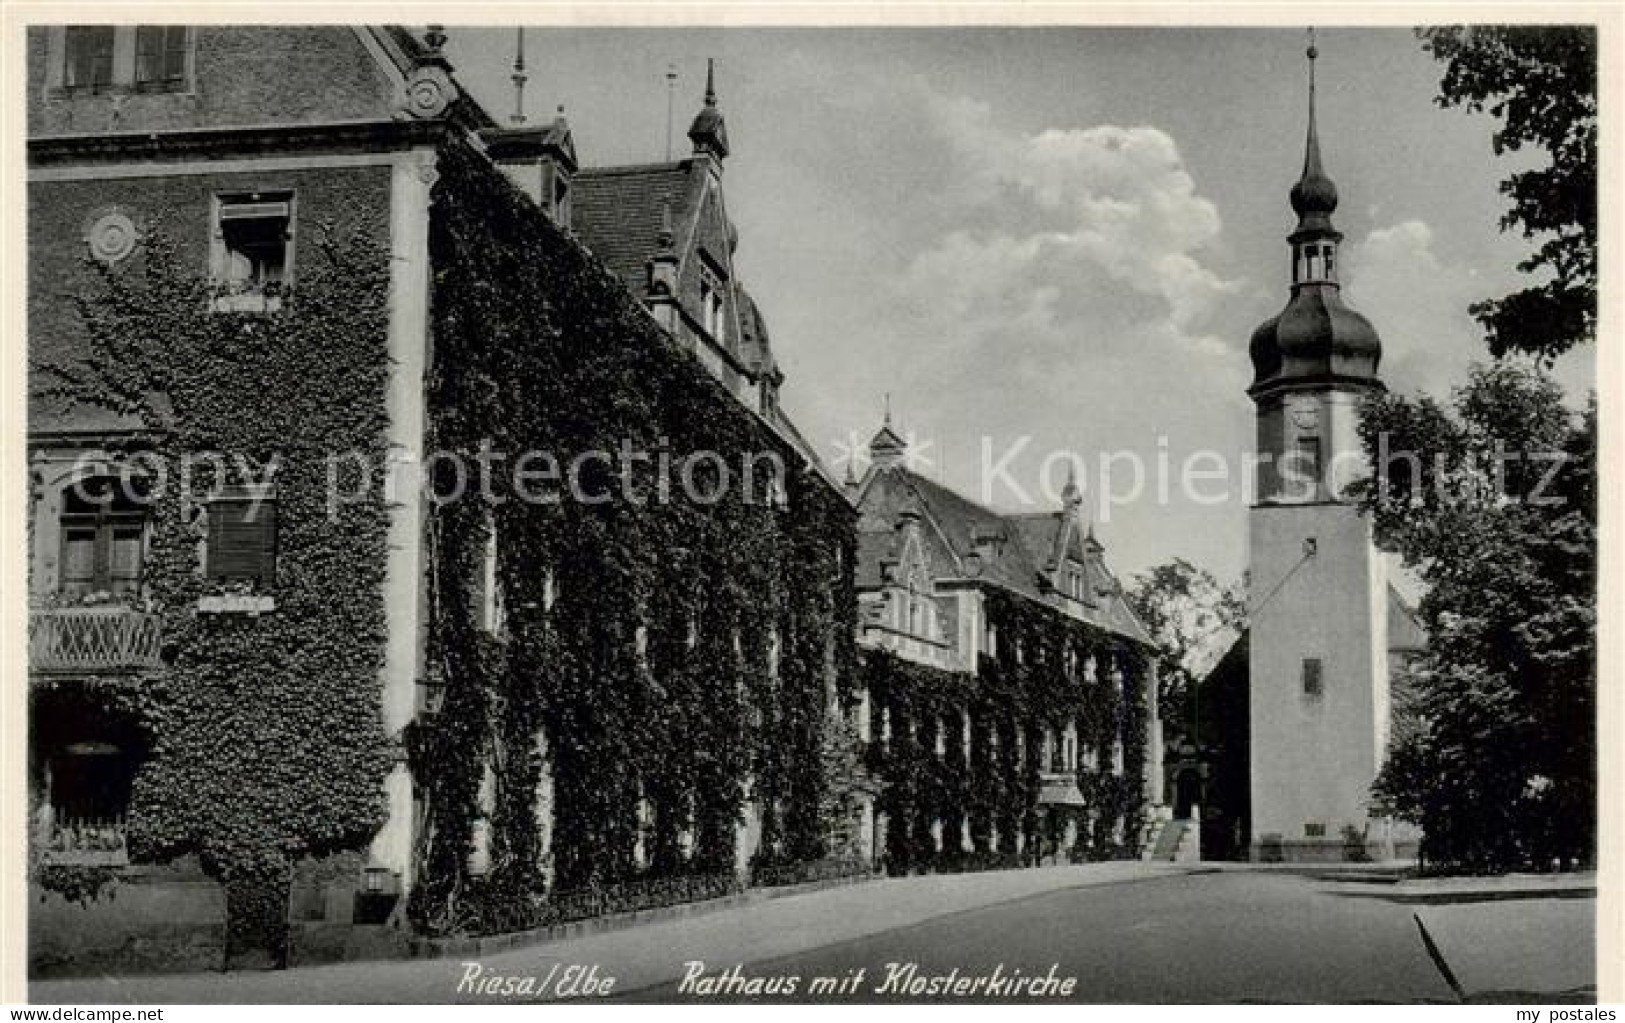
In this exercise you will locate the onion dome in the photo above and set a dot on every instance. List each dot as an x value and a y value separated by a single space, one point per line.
1316 339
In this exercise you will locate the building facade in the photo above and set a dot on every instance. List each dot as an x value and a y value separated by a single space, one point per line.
247 598
377 590
1010 701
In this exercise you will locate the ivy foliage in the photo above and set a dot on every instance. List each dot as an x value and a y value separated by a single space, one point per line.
1037 679
664 659
265 731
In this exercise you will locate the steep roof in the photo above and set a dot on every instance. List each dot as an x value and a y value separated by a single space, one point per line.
616 212
953 524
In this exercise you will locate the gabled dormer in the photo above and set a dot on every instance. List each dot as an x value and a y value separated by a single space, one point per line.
904 608
541 160
664 229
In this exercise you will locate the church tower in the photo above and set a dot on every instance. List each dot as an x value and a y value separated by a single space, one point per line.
1318 687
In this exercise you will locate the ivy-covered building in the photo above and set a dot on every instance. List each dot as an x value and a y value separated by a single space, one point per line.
298 680
1009 691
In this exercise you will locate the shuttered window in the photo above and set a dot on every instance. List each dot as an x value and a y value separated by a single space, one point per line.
89 57
160 55
242 540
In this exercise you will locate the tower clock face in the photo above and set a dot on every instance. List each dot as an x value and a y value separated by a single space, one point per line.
1304 412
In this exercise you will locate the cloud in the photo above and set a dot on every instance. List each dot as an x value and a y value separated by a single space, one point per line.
1067 232
1418 303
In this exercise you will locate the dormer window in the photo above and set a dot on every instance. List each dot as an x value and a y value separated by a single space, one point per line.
555 192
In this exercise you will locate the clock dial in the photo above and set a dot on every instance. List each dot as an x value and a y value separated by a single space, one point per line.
1305 413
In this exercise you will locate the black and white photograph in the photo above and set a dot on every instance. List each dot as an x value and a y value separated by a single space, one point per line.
959 506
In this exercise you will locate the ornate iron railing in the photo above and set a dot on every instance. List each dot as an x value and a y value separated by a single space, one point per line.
92 639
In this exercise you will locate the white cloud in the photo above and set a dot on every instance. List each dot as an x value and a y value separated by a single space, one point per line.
1067 231
1418 304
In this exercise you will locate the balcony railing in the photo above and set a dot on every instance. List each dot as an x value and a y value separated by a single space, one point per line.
92 639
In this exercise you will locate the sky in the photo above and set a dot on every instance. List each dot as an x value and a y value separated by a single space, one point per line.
1053 244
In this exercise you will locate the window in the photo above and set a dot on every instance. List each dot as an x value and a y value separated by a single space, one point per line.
253 251
485 592
87 787
103 532
1314 829
106 58
712 308
1312 684
242 539
160 56
88 60
1328 251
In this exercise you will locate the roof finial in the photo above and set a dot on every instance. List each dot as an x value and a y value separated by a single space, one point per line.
1071 496
1314 197
671 99
708 133
519 76
887 400
1311 155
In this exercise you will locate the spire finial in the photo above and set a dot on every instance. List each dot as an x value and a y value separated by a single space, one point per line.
519 76
671 94
1314 197
1311 154
708 133
887 405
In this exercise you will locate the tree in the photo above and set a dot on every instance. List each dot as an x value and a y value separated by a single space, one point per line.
1540 82
1492 501
1192 619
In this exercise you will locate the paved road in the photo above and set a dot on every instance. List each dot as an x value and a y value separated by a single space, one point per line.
1222 937
1125 932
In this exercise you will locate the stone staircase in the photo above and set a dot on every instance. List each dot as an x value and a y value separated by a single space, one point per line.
1173 841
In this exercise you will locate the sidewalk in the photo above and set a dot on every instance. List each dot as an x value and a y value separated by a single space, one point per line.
636 958
1520 937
